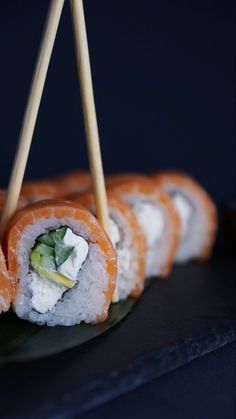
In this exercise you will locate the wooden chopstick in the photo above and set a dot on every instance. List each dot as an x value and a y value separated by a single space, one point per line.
31 112
90 119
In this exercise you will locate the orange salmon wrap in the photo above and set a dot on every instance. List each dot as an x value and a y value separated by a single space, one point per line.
36 231
85 183
117 179
5 283
197 213
158 219
22 202
39 190
76 181
129 243
5 287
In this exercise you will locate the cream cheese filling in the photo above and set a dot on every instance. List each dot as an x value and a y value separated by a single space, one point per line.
151 221
122 253
45 292
184 209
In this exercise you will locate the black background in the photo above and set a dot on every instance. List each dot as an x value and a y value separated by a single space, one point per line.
164 80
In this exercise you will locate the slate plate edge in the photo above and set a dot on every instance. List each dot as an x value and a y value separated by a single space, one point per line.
143 370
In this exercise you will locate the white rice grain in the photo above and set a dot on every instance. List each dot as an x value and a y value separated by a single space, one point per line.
83 302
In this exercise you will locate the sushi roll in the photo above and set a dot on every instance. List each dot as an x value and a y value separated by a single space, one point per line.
158 220
39 190
197 213
116 179
62 264
77 181
5 283
129 242
22 202
5 288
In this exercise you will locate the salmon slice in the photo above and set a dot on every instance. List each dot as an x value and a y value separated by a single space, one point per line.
130 189
116 179
175 181
5 283
75 181
5 286
38 190
22 202
137 245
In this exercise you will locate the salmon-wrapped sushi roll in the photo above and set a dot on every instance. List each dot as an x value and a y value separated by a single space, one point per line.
129 243
116 179
77 181
22 202
197 213
157 219
39 190
5 286
5 283
62 263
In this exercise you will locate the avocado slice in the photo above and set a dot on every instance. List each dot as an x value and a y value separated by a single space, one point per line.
36 260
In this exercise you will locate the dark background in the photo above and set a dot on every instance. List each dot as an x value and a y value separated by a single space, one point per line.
164 80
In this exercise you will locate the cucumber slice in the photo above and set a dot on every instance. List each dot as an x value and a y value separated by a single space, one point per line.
44 250
62 253
58 234
49 253
52 237
46 239
36 259
48 263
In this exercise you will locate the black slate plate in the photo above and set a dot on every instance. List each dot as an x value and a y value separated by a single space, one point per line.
178 319
23 341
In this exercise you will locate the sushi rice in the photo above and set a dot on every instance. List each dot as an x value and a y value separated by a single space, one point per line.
88 296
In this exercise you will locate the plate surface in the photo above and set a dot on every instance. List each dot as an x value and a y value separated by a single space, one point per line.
22 341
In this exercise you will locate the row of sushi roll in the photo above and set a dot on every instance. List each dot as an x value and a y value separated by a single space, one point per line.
59 267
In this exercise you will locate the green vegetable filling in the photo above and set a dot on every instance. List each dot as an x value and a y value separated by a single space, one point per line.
49 253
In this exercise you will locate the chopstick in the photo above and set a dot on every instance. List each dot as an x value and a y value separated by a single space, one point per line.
89 113
31 112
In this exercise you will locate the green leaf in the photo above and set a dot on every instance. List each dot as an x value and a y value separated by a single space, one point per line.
50 238
57 235
46 239
62 253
